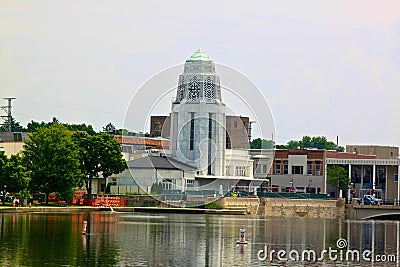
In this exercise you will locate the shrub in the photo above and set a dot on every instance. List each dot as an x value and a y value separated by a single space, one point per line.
213 205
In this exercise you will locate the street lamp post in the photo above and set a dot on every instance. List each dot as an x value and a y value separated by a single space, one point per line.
291 186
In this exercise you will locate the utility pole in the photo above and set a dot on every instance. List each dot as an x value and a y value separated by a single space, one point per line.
7 118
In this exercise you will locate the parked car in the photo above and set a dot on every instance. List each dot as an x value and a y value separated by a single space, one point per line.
8 198
369 200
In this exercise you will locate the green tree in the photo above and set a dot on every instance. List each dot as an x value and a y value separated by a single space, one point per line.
318 142
33 126
3 175
110 128
156 188
306 142
18 176
261 144
293 144
123 132
15 126
338 177
100 155
53 159
81 127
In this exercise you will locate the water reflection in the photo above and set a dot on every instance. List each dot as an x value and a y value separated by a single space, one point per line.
138 239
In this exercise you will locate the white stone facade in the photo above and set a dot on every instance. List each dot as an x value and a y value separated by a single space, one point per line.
198 118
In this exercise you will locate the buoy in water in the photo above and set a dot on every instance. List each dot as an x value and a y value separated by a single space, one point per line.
84 226
242 237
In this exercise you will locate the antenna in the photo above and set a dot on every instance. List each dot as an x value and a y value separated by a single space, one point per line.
7 118
337 143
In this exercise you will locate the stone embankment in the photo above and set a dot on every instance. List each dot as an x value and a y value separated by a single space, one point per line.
271 207
282 207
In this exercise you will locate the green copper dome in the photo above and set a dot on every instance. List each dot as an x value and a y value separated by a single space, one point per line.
199 63
199 56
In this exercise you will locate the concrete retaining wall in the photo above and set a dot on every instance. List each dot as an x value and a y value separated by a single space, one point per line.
309 208
281 207
250 205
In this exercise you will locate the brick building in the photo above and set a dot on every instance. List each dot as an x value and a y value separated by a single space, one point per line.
305 170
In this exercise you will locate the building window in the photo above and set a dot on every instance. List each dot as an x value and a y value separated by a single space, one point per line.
317 168
167 184
381 177
258 168
191 139
17 137
277 167
210 127
285 168
240 171
227 172
189 183
265 168
309 167
297 169
381 172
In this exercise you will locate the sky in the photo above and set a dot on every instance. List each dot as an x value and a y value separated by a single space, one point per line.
327 68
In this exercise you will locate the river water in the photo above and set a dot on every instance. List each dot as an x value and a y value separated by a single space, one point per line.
140 239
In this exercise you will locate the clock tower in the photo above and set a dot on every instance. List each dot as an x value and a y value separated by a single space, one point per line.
198 117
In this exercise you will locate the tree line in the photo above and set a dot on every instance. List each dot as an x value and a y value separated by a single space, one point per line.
317 142
58 158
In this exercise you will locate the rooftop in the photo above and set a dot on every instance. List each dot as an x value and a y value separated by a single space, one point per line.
199 55
156 162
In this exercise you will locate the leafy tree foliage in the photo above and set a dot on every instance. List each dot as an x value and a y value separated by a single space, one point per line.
14 176
33 126
18 175
15 126
261 144
110 128
318 142
156 188
81 127
337 177
3 176
99 154
53 159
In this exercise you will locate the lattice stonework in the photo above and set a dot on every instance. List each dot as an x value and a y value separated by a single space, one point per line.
181 89
194 89
209 91
218 88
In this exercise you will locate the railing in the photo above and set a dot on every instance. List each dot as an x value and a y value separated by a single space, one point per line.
292 195
389 202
